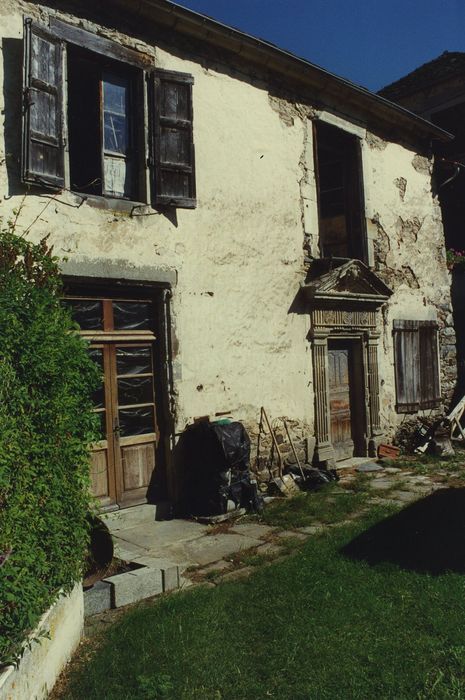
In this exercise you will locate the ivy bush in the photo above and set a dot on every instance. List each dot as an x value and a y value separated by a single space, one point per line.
46 426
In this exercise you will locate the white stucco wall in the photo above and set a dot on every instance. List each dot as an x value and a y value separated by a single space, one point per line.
239 255
56 638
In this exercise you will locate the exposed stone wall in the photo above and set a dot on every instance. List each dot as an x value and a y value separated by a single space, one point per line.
264 456
410 258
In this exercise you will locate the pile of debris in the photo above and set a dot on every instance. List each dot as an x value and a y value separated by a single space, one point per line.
282 471
426 435
216 472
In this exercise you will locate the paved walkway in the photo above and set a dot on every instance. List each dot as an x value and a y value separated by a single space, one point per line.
185 543
188 544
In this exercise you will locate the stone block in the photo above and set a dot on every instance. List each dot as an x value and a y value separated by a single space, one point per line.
215 547
221 565
310 443
237 574
311 529
291 535
269 549
97 599
382 484
170 578
135 585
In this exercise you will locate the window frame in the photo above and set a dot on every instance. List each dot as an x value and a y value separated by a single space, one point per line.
416 354
146 184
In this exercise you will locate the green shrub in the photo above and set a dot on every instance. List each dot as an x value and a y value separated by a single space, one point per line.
46 425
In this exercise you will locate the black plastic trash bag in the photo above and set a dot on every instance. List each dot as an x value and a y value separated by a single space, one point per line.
314 478
235 444
215 462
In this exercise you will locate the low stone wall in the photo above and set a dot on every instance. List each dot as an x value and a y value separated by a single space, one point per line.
41 665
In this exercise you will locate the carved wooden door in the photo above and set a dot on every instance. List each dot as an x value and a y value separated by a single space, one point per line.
340 401
123 461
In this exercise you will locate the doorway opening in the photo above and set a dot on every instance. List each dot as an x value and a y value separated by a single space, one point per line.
346 398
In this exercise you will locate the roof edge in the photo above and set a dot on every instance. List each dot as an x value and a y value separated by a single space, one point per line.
195 24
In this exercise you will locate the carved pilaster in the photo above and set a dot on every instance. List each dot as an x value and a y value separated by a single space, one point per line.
373 393
323 449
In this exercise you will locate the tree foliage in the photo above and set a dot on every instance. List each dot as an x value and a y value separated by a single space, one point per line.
46 426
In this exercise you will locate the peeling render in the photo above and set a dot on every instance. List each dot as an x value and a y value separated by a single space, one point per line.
289 110
422 165
401 184
376 143
408 228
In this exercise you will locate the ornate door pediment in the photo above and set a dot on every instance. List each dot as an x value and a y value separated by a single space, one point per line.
350 285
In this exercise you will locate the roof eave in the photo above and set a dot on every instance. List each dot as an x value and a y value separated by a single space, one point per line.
261 52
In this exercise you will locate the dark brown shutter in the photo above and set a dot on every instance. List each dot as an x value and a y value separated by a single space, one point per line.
430 390
355 201
43 146
172 142
407 366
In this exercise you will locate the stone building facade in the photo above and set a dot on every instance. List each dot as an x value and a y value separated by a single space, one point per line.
296 262
436 92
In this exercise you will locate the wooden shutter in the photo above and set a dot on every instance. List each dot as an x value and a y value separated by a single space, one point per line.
407 366
355 200
172 142
43 146
430 389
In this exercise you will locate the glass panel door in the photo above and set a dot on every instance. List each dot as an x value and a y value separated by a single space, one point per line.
136 433
122 341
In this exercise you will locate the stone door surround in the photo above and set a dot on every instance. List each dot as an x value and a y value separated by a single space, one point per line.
344 303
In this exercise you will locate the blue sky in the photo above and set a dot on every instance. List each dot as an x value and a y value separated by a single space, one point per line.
371 42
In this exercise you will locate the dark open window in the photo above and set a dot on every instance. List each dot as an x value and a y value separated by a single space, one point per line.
340 193
104 119
416 365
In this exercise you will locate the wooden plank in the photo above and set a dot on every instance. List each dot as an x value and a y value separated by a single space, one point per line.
459 427
99 474
138 462
458 409
430 390
273 437
137 439
120 336
100 44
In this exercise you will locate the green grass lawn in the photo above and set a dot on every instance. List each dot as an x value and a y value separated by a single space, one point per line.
316 625
330 504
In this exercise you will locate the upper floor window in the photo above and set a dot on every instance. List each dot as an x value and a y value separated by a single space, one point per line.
120 128
340 193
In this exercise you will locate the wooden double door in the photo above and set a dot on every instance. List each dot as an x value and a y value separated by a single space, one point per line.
122 344
346 398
